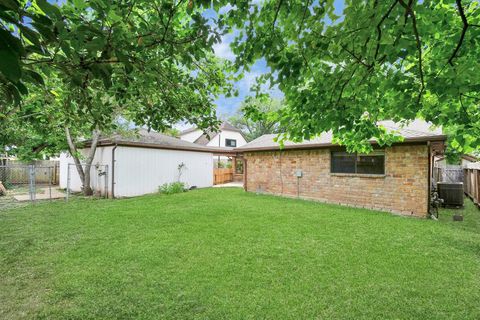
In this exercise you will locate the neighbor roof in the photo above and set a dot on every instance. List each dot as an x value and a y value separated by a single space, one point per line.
208 135
224 126
411 133
469 157
151 139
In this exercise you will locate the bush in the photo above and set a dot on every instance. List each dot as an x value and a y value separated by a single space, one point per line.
224 164
171 188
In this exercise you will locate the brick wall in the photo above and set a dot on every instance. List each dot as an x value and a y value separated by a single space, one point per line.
403 189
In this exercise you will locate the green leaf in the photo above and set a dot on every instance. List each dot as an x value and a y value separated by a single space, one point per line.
21 87
49 9
10 4
31 35
79 4
7 40
35 77
10 64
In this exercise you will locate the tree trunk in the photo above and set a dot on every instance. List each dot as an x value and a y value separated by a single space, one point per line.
84 173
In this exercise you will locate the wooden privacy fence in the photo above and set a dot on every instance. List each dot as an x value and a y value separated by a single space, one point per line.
45 172
222 175
471 184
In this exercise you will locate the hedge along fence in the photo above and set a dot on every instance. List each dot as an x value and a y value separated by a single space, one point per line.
471 184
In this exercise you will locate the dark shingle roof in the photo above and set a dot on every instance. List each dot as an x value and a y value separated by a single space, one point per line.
205 138
224 126
152 139
417 132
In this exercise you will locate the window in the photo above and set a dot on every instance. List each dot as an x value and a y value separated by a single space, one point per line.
372 163
230 142
239 166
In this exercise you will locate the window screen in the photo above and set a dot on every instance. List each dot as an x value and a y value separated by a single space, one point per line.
372 163
230 142
343 162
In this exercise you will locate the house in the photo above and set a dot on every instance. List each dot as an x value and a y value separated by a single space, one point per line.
138 164
466 160
227 136
395 178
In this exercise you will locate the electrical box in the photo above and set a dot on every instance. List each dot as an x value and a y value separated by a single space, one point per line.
298 173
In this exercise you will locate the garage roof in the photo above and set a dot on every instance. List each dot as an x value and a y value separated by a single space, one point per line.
151 139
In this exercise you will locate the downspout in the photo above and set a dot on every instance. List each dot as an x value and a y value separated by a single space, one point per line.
219 141
245 176
429 177
113 170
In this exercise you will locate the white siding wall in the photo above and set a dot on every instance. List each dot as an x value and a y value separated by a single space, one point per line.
227 135
465 163
473 165
191 136
141 170
103 156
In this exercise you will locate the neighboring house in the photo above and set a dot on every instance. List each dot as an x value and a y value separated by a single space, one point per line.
132 166
395 179
467 160
227 136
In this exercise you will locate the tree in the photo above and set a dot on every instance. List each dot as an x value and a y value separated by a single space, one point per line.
25 29
172 132
258 116
379 60
150 62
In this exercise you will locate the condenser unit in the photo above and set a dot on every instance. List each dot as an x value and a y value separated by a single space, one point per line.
451 193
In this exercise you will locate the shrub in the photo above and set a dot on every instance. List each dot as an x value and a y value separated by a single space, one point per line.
224 164
171 188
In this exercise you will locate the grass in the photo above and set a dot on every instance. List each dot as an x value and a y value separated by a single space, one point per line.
226 254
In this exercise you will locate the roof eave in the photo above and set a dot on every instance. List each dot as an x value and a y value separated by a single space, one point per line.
107 143
327 145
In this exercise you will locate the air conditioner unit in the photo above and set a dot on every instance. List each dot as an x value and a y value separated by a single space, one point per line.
451 193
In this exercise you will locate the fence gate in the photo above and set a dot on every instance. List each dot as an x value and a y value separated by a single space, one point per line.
222 175
24 184
99 178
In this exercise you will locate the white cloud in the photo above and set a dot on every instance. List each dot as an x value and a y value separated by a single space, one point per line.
222 50
226 8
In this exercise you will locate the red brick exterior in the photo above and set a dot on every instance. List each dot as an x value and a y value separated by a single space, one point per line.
403 189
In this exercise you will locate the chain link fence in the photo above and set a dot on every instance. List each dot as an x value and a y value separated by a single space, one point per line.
450 174
24 184
99 176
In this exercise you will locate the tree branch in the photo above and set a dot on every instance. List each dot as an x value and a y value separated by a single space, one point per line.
276 14
410 12
345 85
74 153
461 12
379 25
368 66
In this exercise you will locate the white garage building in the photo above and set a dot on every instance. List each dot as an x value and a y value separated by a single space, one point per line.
137 165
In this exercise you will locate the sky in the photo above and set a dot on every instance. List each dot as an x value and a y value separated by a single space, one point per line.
228 106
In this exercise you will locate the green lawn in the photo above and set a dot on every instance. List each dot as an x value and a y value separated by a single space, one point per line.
226 254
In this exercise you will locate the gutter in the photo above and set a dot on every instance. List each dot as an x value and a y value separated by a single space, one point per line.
113 170
215 150
304 146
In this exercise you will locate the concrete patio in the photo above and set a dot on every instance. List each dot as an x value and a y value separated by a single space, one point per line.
233 184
